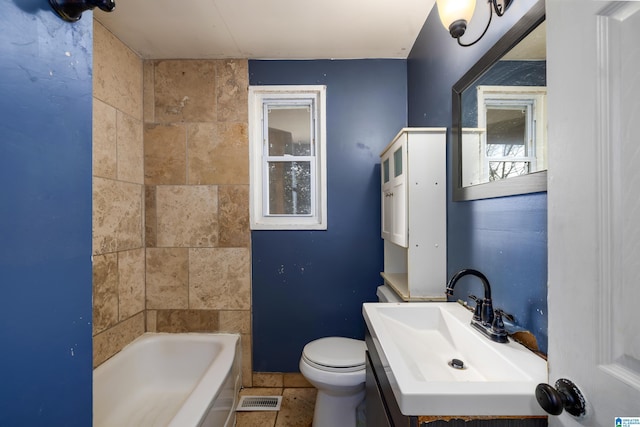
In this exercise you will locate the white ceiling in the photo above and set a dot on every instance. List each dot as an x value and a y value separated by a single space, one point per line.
268 29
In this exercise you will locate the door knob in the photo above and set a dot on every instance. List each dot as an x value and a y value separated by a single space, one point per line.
565 396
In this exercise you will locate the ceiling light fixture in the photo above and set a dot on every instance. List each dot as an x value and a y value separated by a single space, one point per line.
455 14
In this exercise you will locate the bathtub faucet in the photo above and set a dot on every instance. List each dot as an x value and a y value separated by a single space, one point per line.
484 319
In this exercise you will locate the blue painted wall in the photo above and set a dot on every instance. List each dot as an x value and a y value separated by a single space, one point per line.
310 284
503 73
45 217
505 238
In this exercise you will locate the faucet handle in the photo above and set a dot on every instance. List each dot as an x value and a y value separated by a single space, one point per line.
505 315
498 325
487 312
477 313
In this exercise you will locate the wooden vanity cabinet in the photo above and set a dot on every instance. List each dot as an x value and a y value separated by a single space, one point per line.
382 410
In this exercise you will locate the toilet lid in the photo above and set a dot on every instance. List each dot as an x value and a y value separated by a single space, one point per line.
336 352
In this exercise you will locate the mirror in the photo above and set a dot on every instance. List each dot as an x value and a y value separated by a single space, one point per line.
499 116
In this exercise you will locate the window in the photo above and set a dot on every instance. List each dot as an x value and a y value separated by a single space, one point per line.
509 149
288 157
514 138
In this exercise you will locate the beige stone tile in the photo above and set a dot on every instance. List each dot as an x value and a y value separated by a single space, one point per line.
240 281
105 292
130 149
236 321
167 278
148 90
151 318
233 208
232 86
297 407
187 216
218 153
202 147
295 380
207 288
176 321
185 91
258 418
247 360
268 379
150 217
165 155
111 341
105 222
104 140
261 391
117 73
219 278
131 268
117 215
127 208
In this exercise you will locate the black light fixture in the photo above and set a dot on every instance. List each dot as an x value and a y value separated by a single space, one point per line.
71 10
455 14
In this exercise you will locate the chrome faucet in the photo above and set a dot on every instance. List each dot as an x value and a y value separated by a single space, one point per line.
485 319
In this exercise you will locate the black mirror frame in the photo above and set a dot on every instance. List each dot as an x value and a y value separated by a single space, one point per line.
531 183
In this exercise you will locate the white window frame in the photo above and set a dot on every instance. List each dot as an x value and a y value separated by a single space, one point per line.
259 96
535 98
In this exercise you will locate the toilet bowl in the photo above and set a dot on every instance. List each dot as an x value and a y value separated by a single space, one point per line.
336 367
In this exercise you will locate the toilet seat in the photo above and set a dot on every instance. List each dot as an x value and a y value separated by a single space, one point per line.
335 354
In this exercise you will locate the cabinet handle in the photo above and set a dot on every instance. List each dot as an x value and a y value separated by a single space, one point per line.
388 194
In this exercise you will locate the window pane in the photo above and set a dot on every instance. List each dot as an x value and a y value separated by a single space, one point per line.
386 170
506 129
290 130
397 162
289 188
502 170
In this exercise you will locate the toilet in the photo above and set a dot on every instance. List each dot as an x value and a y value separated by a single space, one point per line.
336 367
386 294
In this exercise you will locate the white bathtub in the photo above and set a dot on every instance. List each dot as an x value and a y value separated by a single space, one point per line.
174 380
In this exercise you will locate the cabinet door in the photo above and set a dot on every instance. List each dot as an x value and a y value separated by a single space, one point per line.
386 197
376 413
399 191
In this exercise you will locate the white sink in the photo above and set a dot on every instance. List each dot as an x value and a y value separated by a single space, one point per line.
416 342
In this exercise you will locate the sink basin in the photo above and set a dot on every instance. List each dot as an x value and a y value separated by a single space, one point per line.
417 343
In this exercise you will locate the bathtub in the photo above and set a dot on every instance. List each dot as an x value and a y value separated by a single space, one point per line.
173 380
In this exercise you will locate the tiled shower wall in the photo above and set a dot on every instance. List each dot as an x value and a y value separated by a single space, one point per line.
197 198
118 196
171 240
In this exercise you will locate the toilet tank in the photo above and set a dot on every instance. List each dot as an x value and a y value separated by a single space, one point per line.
386 294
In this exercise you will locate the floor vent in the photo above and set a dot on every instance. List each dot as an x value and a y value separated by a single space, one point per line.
259 403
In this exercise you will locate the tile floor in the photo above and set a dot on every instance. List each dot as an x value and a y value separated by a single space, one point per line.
296 409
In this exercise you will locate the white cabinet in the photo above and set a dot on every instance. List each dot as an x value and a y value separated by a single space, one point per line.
414 213
394 191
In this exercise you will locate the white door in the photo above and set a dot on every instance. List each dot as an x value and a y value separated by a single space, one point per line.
593 54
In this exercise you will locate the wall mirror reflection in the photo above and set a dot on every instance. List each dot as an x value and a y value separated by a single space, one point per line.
499 117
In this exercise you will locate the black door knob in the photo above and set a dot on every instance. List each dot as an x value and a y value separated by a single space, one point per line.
565 396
